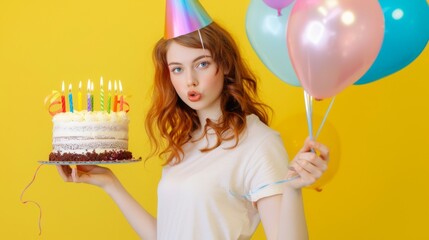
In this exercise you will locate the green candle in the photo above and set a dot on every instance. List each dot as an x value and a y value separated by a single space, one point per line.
109 101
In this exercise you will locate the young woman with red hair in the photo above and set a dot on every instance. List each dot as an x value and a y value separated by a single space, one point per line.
225 169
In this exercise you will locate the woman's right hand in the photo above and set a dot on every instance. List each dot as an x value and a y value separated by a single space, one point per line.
90 174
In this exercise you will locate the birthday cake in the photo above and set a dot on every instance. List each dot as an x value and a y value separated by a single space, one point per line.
90 136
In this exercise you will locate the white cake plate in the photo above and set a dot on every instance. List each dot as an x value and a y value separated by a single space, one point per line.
89 162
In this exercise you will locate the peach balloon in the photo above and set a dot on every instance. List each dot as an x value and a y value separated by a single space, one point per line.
332 43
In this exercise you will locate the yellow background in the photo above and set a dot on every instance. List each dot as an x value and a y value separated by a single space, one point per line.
378 132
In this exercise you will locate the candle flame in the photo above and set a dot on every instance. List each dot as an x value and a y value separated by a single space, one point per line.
80 85
101 81
92 86
70 87
88 86
109 86
116 86
120 86
62 87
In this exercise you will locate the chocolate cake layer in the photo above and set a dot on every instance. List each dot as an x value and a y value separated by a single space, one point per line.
91 156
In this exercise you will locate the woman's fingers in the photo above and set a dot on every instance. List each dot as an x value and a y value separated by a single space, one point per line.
65 172
79 176
313 159
310 168
306 178
309 165
311 145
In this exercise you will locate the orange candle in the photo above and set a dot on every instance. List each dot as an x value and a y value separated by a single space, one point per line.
121 101
115 98
63 99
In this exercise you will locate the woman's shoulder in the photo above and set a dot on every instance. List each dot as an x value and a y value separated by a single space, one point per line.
258 129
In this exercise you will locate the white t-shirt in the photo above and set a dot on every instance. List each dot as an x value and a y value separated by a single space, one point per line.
211 195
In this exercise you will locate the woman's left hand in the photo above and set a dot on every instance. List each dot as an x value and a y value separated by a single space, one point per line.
309 165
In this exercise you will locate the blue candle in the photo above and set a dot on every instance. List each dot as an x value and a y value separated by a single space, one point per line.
70 98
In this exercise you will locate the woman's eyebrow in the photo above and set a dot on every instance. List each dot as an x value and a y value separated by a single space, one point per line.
195 60
200 57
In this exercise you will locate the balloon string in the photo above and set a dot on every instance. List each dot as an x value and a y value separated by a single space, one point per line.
325 117
29 201
308 99
309 111
248 195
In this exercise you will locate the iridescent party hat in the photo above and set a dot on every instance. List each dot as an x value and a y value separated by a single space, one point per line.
183 17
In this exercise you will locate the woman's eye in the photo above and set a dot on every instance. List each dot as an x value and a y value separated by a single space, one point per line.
176 70
203 64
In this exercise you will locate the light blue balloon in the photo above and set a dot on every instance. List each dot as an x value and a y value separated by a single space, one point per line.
405 36
266 32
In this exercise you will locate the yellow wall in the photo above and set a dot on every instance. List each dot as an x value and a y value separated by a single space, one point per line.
378 132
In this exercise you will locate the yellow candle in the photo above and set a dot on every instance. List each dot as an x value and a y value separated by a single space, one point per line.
101 95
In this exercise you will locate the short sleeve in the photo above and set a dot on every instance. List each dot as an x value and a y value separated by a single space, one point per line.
267 166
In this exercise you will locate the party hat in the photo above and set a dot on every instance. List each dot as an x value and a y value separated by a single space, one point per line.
183 17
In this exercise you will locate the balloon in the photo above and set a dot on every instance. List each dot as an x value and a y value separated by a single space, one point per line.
278 4
406 34
333 43
293 137
266 32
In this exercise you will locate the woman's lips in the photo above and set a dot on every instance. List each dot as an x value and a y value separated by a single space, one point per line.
194 96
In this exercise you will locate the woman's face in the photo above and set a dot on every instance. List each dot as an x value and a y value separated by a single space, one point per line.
197 79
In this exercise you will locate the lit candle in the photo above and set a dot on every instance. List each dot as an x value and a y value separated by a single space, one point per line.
109 100
101 94
92 96
63 99
79 97
88 95
121 101
70 98
115 99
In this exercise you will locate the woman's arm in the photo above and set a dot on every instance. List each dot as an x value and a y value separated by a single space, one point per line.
283 215
142 222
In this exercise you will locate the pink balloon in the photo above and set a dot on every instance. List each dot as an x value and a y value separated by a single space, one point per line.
278 4
332 43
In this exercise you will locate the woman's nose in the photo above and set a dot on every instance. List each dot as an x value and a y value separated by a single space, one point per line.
192 80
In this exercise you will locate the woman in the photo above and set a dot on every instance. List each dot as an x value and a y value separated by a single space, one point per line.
223 165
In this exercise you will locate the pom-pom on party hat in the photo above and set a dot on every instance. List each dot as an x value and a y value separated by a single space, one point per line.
183 17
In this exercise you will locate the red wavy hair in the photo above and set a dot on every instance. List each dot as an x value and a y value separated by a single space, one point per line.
174 121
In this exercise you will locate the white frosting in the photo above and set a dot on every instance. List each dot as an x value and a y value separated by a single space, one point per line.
81 132
85 116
